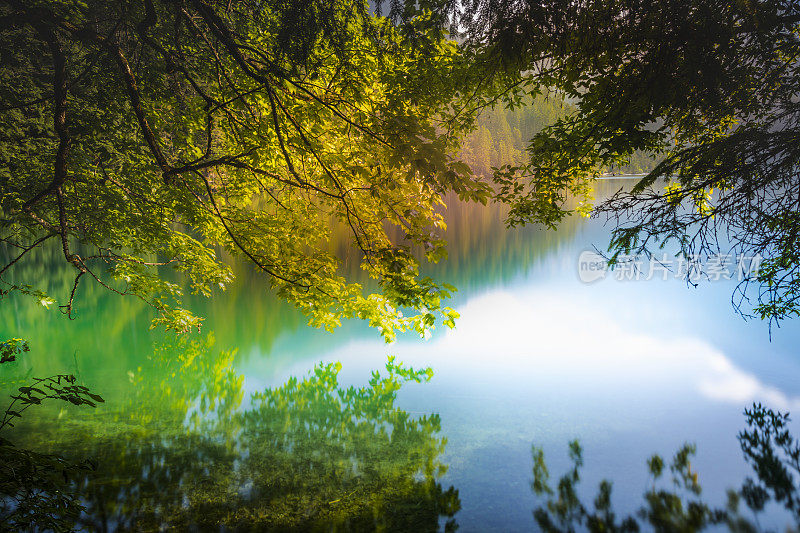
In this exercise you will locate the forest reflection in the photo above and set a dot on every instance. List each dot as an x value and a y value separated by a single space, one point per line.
189 450
481 253
674 500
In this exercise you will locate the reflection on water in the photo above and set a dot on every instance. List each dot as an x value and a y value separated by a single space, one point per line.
188 451
481 253
541 332
674 499
271 432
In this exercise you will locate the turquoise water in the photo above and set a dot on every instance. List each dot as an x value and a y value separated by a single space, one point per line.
628 367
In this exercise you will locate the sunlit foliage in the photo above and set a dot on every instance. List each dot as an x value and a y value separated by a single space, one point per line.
139 136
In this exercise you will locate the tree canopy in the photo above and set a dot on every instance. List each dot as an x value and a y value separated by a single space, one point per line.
709 88
139 136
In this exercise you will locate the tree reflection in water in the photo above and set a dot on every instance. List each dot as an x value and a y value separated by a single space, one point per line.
677 505
189 452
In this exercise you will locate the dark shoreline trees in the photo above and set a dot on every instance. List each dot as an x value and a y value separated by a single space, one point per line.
710 87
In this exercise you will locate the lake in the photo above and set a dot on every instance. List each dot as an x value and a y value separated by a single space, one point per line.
266 421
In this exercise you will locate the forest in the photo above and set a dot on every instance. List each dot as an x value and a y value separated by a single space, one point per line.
501 137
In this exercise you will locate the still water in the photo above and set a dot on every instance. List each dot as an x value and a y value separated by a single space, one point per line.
262 422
